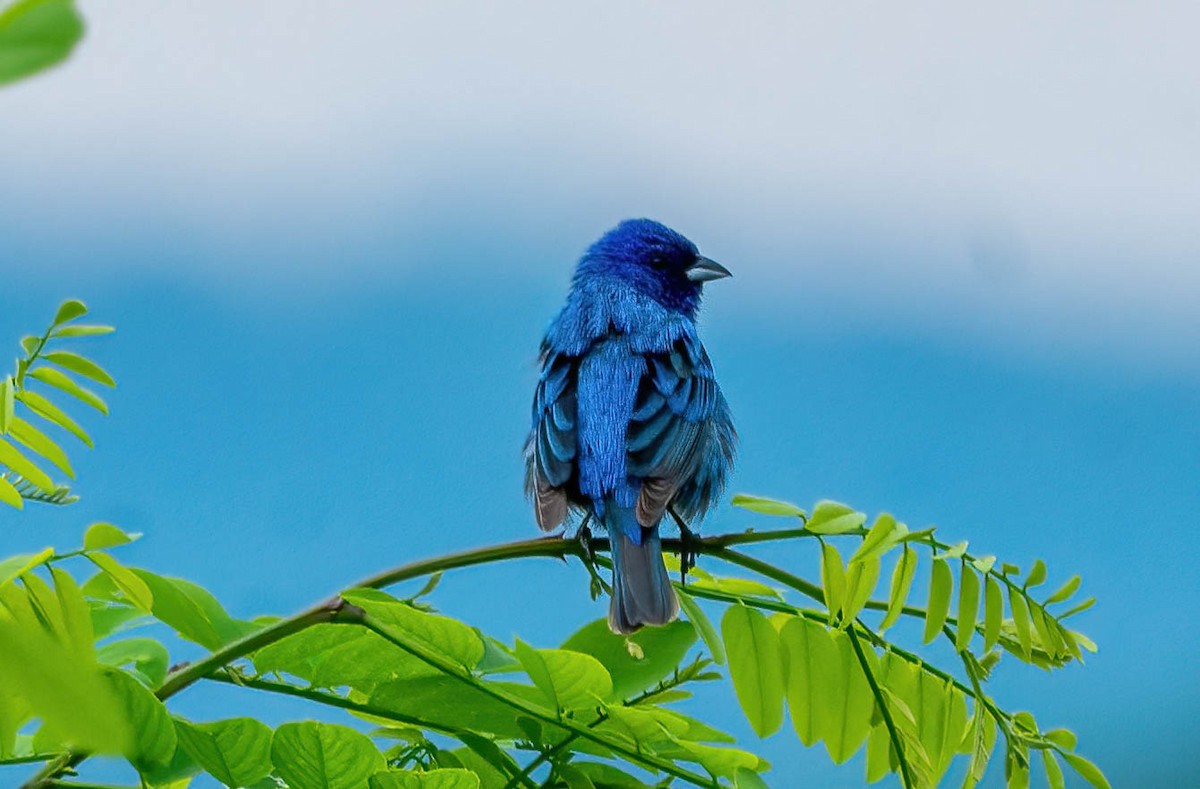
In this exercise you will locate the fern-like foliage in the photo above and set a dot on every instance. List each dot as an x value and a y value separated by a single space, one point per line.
27 412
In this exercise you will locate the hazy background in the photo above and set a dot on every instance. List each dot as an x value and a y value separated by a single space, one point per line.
967 265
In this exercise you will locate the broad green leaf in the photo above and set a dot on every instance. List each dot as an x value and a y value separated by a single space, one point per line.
877 540
105 535
831 517
35 35
570 680
756 667
447 636
902 579
333 656
662 649
703 626
861 578
813 662
134 588
107 618
433 779
16 566
81 365
740 587
145 654
1037 575
1087 771
42 444
64 383
313 755
48 410
606 775
748 779
236 752
1051 642
940 587
153 741
10 496
723 762
1020 612
850 704
993 616
449 703
6 404
490 752
12 457
30 345
833 580
82 330
1065 591
56 683
646 726
968 608
191 610
573 777
764 506
1063 738
76 614
983 741
1054 773
68 311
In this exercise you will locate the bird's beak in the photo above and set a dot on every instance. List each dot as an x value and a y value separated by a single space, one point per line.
704 270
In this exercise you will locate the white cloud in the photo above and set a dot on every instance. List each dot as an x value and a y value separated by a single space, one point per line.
1018 164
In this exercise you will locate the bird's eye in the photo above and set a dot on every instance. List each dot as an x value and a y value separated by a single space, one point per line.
658 260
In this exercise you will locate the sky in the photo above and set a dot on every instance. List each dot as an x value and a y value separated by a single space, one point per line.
966 269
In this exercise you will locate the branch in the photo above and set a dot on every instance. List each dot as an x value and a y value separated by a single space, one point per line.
905 770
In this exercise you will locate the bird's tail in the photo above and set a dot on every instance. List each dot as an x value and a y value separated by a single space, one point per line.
642 593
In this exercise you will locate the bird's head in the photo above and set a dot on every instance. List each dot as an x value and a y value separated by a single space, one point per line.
655 260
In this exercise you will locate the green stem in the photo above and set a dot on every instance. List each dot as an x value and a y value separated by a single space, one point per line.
893 733
35 758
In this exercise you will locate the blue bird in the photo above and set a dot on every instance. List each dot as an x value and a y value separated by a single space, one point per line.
628 419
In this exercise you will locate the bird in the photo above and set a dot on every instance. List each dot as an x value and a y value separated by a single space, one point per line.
629 423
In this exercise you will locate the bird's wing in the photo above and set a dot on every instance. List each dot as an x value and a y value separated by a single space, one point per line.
550 450
680 438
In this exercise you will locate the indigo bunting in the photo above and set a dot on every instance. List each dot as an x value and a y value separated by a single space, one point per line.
628 419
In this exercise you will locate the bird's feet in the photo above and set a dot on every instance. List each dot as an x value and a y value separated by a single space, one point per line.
588 557
687 554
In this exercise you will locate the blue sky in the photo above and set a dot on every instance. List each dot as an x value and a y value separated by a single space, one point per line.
965 275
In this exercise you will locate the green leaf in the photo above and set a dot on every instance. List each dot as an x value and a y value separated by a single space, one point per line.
82 330
993 616
938 608
10 495
135 589
744 778
852 703
573 777
40 443
153 740
191 610
955 551
1063 738
333 656
313 755
764 506
703 626
16 566
1087 771
833 580
984 564
1037 575
6 404
1020 612
861 579
570 680
609 777
877 540
449 637
64 383
1065 591
968 608
662 650
35 35
68 311
1076 609
831 517
432 779
30 346
902 579
12 457
104 535
81 365
236 752
756 667
49 411
813 661
449 703
145 654
76 614
1054 773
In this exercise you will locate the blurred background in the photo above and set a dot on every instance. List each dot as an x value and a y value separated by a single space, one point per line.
967 270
